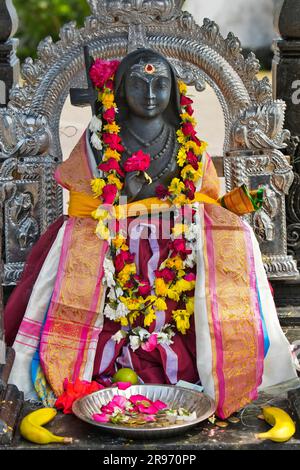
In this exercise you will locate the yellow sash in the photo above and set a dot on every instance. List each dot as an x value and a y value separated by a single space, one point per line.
82 205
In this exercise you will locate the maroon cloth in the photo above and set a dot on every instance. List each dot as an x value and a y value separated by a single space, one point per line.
151 367
18 300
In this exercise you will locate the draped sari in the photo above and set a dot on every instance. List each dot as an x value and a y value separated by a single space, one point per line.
239 344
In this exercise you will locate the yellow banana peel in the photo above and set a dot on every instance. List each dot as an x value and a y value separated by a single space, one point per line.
31 427
283 425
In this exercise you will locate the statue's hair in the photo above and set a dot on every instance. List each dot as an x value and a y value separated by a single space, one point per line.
173 110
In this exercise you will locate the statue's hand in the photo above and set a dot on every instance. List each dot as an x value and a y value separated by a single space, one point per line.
134 181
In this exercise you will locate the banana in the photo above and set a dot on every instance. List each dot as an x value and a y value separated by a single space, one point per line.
31 427
283 426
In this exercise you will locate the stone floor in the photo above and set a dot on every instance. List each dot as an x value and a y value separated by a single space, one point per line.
205 436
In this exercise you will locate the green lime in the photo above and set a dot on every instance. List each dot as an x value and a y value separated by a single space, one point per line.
126 375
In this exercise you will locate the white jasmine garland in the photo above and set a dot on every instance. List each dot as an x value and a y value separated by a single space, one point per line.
142 333
109 271
191 233
110 312
95 124
122 310
96 142
135 342
190 260
164 338
115 293
119 336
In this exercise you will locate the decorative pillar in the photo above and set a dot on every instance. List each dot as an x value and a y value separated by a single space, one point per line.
9 63
286 86
11 399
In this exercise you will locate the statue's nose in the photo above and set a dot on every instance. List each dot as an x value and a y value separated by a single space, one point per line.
150 92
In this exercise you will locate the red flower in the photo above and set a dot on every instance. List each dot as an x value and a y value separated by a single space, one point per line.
109 193
111 164
161 191
185 101
102 70
167 274
109 115
123 258
144 288
189 110
139 161
110 84
179 248
190 277
188 129
130 284
73 391
113 140
190 189
196 140
192 159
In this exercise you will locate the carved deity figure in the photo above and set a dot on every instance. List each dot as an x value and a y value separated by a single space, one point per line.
151 269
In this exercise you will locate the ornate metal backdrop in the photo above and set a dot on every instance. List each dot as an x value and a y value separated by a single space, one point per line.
29 126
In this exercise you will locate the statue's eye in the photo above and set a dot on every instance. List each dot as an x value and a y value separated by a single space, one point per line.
162 84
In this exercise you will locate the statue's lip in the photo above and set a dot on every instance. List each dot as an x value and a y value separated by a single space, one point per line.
151 106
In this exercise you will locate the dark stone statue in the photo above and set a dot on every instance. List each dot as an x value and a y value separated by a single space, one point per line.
148 101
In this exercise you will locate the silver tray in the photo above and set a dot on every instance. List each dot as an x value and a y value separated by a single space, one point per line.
174 397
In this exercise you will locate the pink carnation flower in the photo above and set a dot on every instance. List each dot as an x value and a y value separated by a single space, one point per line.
190 277
151 344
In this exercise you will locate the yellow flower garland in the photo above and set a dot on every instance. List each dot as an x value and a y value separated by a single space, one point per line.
173 290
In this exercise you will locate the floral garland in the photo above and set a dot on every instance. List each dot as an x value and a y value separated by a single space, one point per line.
130 295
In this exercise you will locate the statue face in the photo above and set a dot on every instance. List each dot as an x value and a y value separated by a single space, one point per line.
148 88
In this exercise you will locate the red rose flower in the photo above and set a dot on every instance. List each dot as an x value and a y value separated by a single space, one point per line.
109 115
102 70
192 160
188 129
109 193
185 101
190 189
167 274
161 191
139 161
73 391
130 284
196 140
113 140
179 248
111 164
144 290
109 84
123 258
189 110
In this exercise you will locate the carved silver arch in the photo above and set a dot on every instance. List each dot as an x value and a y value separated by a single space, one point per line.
253 121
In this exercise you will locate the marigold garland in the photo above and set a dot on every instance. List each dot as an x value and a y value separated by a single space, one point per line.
130 295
